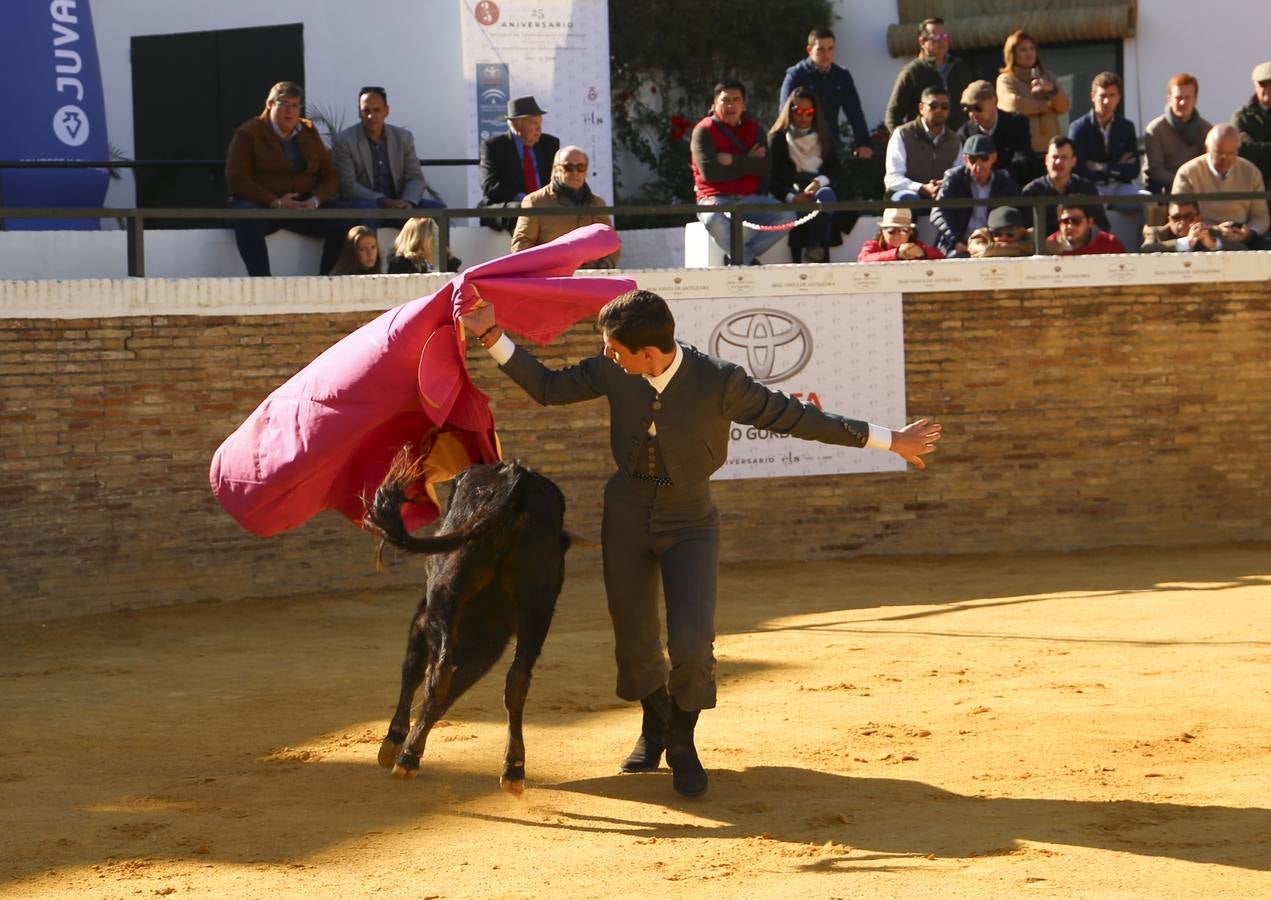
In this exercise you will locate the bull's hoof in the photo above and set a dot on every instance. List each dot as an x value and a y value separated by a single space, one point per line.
514 787
404 773
388 752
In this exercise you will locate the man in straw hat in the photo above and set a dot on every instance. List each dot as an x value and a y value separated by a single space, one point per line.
516 163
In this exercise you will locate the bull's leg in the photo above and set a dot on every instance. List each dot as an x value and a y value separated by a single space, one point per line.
530 635
413 667
436 690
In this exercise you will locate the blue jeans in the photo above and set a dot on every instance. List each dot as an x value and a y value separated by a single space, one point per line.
718 224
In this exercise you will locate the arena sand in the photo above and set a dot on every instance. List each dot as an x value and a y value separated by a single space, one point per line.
1094 724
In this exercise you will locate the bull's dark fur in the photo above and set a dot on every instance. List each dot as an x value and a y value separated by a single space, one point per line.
497 564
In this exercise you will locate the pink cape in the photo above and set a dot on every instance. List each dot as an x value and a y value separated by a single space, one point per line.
326 438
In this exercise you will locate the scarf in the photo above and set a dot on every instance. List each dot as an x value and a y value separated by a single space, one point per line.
805 149
1189 131
580 197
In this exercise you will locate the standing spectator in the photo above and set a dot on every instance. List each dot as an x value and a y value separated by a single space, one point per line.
1009 131
834 85
1079 236
921 151
413 248
1253 121
896 240
277 161
976 177
517 163
360 254
729 163
377 162
567 190
1005 235
1222 170
1060 181
803 166
1172 139
934 66
1107 144
1186 232
1027 87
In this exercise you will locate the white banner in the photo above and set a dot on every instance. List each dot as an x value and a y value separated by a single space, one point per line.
843 354
556 51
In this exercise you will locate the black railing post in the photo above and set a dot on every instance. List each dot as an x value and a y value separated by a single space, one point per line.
443 239
136 228
736 237
1039 227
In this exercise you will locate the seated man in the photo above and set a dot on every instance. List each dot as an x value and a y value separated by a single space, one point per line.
934 66
1078 235
1059 181
1005 235
1221 170
976 177
517 163
377 162
834 87
729 163
1187 232
921 151
1009 131
567 190
1175 137
1253 121
1107 144
278 161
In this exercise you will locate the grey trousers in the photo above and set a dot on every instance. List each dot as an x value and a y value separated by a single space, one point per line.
673 531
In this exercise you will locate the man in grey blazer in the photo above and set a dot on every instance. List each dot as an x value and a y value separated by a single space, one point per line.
377 162
670 410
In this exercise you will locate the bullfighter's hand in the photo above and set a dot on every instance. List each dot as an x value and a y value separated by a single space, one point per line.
479 318
916 440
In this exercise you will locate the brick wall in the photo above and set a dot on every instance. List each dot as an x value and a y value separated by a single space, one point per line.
1135 415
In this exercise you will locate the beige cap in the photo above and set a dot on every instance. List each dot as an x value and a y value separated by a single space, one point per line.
897 217
1262 72
979 90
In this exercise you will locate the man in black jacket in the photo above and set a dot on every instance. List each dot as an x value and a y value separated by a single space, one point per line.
976 177
1008 130
516 163
670 410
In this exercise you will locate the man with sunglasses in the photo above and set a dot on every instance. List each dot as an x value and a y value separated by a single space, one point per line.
934 67
1186 232
1005 235
567 190
1222 170
1008 130
1078 235
921 151
976 177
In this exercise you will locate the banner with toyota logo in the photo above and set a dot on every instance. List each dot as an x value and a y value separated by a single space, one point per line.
843 354
53 109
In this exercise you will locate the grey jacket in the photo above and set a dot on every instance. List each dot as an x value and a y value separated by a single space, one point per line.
352 154
693 414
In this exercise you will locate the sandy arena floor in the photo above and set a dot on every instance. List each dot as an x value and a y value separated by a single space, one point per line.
1092 725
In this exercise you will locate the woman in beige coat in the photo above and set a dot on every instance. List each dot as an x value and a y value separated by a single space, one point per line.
1027 87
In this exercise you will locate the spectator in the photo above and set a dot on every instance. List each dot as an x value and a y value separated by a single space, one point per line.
1172 139
1186 232
933 67
834 85
567 190
896 240
517 163
729 164
1027 87
360 254
803 166
413 249
1107 144
1221 170
1059 181
1078 235
1009 131
1253 121
377 162
277 161
976 177
1005 235
921 151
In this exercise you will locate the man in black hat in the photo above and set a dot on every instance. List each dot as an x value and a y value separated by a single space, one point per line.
516 163
976 177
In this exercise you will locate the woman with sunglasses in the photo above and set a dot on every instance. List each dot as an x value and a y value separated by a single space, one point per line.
896 240
803 167
568 190
1027 87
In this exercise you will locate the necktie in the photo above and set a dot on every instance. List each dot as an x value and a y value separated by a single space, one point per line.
527 169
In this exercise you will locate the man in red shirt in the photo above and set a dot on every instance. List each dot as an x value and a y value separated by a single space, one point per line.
1078 235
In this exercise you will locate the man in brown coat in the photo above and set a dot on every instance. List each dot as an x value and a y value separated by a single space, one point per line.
277 161
567 190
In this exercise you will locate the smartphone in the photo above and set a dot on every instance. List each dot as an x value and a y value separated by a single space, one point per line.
1035 72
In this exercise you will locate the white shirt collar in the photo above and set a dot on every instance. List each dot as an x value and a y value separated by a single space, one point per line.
1209 162
659 382
278 131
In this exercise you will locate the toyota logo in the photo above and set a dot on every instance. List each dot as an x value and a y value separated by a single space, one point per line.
772 345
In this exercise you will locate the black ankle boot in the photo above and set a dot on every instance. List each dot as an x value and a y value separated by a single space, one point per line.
687 775
652 741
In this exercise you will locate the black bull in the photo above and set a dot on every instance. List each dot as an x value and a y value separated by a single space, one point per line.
497 564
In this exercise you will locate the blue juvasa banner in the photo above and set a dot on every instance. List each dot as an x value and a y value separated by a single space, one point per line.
53 108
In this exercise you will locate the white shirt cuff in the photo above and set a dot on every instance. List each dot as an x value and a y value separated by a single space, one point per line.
502 349
1183 244
879 438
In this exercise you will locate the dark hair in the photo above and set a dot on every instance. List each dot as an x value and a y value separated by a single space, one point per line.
1107 80
1079 207
820 32
818 121
373 89
1060 140
285 89
639 319
733 85
924 26
933 91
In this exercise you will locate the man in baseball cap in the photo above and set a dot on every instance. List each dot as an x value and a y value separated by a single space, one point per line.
976 177
1253 121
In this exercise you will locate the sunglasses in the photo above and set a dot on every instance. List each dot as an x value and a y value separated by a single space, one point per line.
895 229
572 167
1071 220
1184 217
802 112
937 106
971 107
935 37
1008 231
